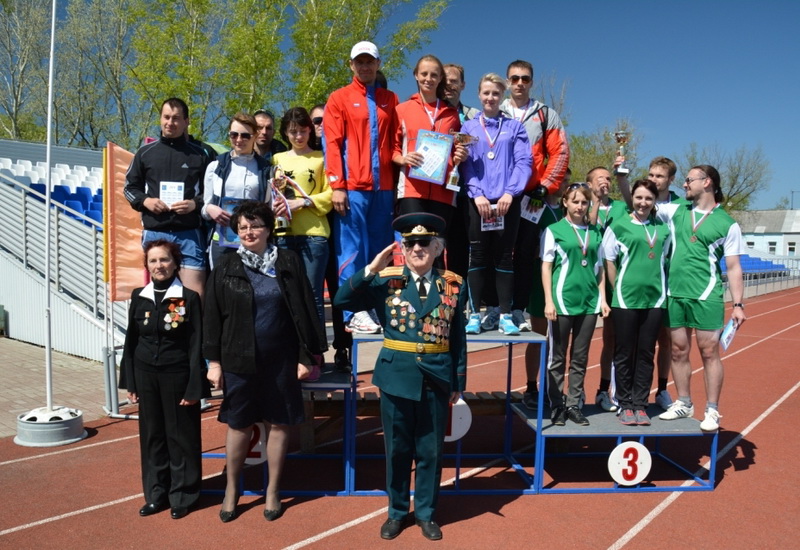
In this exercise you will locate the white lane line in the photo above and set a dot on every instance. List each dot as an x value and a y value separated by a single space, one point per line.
72 450
655 512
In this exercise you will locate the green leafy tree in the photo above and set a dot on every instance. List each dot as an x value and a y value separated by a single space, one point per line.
744 172
599 148
24 43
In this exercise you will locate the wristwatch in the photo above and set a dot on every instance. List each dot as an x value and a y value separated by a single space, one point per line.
739 304
308 203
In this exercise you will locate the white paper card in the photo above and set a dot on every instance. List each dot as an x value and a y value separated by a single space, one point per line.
726 338
171 192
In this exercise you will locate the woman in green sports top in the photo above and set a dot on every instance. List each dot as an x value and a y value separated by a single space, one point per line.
573 279
635 249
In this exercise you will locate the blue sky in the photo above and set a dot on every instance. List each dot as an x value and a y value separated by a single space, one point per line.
721 72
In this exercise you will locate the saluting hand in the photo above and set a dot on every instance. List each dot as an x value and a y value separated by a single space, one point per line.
382 260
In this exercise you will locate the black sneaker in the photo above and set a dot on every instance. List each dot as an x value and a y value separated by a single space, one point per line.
575 414
559 416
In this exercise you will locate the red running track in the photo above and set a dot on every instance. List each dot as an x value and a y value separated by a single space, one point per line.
87 495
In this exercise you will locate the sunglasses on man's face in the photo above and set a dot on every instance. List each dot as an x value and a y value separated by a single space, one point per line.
516 78
236 135
422 242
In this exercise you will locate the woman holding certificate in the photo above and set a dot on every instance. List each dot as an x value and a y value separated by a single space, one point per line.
427 110
496 170
308 198
237 175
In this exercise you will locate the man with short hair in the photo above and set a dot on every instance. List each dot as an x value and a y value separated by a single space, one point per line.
266 144
422 366
454 77
550 150
703 233
359 133
172 166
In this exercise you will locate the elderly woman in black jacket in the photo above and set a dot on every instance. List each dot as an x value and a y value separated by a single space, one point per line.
260 337
162 369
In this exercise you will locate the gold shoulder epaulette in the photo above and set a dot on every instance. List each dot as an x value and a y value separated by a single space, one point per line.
450 276
392 271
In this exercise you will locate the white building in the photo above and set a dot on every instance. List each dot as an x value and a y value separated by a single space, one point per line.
773 232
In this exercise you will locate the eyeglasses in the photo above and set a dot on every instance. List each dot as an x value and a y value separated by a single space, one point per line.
687 181
236 135
514 78
422 242
317 120
246 228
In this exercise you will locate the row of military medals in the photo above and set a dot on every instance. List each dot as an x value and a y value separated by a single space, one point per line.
433 328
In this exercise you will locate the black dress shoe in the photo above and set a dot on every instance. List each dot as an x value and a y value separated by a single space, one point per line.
151 508
272 515
179 512
341 360
575 414
391 528
559 416
430 530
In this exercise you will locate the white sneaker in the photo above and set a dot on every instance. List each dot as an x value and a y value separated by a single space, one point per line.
362 323
663 399
677 410
711 422
603 400
519 319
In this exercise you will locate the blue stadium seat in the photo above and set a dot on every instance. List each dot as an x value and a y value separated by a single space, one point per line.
37 187
86 192
96 205
59 195
81 198
97 216
75 205
65 188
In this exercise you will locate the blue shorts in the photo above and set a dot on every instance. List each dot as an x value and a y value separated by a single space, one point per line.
191 241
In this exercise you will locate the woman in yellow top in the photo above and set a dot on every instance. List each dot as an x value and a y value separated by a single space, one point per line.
308 198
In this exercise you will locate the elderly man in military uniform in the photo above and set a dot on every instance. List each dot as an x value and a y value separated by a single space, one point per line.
422 366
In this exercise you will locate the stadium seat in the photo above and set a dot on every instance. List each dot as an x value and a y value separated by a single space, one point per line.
64 167
65 188
96 204
5 163
86 192
74 205
23 180
26 163
39 187
59 195
97 216
34 175
83 199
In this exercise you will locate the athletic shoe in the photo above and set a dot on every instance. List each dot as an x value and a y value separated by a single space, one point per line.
603 400
362 323
663 399
641 418
491 319
711 422
474 324
575 414
559 416
627 417
507 325
531 400
519 319
678 409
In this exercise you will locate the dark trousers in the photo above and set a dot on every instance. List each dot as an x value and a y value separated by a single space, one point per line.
169 439
341 338
414 431
492 250
634 351
526 256
580 328
458 237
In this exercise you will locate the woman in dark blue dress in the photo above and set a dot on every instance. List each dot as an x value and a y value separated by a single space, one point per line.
260 339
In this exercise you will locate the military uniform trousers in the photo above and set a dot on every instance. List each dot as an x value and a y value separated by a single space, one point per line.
414 431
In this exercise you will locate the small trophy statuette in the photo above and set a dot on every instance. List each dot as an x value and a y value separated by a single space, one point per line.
453 177
622 138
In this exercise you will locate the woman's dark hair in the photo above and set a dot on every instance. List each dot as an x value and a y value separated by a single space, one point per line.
299 116
712 173
650 186
443 82
250 210
173 249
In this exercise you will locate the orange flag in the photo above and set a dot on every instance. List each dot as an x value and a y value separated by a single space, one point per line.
123 232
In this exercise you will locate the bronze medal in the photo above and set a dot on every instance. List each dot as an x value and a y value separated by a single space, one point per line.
693 239
652 255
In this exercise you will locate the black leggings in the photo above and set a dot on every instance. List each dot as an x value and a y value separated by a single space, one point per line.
492 249
633 354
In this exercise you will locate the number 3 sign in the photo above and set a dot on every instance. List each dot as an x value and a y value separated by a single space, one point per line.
629 463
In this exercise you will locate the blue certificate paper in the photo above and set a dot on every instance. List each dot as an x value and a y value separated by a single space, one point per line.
435 149
726 338
227 236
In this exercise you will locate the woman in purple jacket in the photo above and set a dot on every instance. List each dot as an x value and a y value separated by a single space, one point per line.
496 171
